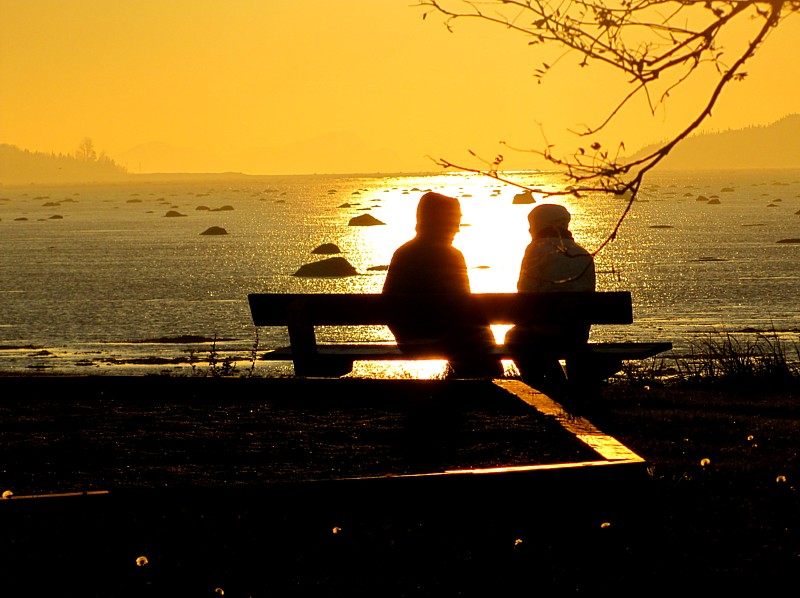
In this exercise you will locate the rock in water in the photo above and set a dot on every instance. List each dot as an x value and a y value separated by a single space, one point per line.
523 198
173 214
326 249
364 220
214 230
333 266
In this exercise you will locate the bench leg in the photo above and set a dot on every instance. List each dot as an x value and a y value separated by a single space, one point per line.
585 374
545 375
475 368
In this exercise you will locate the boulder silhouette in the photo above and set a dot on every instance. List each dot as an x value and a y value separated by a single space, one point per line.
326 249
523 198
214 230
332 266
365 220
173 214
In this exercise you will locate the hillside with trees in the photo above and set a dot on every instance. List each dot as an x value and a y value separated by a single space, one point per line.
758 147
23 167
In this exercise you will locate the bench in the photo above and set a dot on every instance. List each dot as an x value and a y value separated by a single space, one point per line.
302 313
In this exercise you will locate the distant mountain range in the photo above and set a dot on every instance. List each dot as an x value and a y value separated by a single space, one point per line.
758 147
339 152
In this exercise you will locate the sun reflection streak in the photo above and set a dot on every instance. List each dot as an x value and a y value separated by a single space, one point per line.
493 237
494 230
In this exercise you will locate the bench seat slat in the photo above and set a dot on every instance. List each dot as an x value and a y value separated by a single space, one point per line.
354 309
388 351
302 313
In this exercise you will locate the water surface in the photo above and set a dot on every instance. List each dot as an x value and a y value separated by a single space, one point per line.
94 277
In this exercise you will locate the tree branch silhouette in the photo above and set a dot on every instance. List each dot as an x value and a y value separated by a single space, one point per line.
648 41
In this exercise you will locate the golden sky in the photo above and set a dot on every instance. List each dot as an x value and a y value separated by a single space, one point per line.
199 85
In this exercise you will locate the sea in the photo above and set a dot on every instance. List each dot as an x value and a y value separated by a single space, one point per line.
121 278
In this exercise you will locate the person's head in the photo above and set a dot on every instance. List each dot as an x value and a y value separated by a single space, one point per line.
438 216
548 219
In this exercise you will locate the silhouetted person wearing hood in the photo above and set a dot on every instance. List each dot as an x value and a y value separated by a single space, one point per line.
431 275
553 262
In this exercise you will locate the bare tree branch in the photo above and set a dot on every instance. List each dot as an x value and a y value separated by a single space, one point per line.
651 42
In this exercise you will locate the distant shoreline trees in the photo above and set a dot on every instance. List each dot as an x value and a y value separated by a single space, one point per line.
23 167
86 151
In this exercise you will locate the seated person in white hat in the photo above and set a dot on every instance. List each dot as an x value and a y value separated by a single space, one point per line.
553 262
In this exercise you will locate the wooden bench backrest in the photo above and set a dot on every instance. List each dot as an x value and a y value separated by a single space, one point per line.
607 307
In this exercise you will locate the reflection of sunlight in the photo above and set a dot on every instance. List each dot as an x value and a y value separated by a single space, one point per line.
420 369
493 234
374 245
494 230
493 237
499 332
412 370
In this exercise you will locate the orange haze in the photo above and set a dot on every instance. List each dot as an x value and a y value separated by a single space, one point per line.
311 86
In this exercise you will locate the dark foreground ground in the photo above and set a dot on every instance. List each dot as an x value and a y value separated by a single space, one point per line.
235 487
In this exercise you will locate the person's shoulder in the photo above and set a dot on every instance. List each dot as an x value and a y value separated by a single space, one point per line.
580 249
538 246
455 256
405 247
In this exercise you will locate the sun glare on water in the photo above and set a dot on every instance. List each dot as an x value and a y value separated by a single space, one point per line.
493 237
